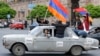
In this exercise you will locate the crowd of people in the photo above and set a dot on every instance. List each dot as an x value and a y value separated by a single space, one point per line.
3 23
81 24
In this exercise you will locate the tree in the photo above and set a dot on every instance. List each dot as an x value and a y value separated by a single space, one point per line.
93 10
2 4
5 10
39 11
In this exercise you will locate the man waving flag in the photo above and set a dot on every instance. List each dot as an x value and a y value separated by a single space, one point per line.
58 10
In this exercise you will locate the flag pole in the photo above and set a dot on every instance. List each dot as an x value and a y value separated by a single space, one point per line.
46 11
46 14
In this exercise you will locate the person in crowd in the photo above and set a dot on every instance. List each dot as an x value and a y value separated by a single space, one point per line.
5 24
34 24
78 24
38 20
42 21
0 21
25 23
52 21
85 22
60 28
91 21
47 33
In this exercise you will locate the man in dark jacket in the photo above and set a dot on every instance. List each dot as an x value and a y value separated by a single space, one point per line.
42 21
60 28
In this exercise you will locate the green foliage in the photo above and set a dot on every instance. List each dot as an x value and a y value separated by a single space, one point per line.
93 10
39 11
2 4
5 9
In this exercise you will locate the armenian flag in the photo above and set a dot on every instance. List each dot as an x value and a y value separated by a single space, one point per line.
83 12
58 10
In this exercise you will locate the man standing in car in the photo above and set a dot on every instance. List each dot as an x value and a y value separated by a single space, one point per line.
60 28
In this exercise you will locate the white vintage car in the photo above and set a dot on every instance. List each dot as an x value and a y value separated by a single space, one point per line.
38 41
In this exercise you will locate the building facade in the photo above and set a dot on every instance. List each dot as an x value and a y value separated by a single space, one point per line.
21 6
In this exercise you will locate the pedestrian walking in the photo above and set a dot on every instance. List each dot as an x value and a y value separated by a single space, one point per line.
25 23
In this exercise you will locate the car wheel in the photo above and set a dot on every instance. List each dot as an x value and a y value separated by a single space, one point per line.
18 50
76 50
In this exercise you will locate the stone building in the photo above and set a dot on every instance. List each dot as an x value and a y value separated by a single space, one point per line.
21 6
85 2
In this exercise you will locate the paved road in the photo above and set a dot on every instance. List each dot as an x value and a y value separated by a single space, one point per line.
5 52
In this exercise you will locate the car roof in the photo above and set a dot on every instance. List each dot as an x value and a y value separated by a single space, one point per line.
44 27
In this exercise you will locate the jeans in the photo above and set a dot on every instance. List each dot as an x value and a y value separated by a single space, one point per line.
80 33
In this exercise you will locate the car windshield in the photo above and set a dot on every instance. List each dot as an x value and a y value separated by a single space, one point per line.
35 31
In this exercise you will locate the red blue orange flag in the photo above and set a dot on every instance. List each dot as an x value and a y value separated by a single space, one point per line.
58 10
81 10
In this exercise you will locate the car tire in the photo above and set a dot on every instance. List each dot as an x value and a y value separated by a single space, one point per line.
76 50
18 50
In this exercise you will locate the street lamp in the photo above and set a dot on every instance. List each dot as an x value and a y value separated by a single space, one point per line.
8 17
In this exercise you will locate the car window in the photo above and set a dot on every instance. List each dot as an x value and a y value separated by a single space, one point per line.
47 32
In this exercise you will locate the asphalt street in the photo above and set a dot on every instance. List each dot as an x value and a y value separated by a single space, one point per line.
5 52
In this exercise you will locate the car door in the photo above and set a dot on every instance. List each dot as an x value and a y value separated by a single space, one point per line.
61 44
43 43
